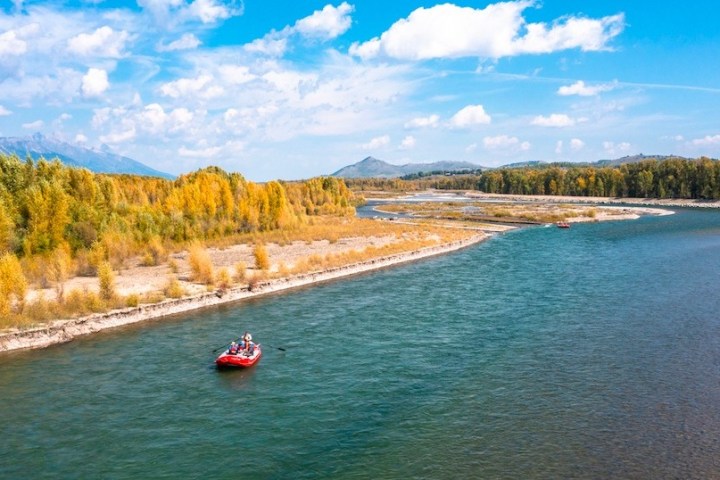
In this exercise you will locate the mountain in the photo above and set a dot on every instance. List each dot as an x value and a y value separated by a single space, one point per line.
372 167
636 159
38 145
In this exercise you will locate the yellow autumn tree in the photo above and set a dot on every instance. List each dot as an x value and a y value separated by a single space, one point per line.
13 285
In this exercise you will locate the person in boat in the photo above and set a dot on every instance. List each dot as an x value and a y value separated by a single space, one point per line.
247 340
249 346
234 348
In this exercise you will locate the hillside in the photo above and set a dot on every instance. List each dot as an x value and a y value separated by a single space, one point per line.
38 145
372 167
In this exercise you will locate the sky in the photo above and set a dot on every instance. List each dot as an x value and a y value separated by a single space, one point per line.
295 89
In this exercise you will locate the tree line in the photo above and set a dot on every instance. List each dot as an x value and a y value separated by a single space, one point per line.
46 205
672 178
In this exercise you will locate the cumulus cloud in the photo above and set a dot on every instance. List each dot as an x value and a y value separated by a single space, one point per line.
154 120
407 143
169 12
11 45
103 42
270 45
579 88
236 74
422 122
119 137
377 142
505 142
469 116
81 139
707 140
201 86
496 31
4 111
187 42
328 23
576 144
554 120
94 82
613 148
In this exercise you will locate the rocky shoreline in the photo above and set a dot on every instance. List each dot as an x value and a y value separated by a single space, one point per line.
61 331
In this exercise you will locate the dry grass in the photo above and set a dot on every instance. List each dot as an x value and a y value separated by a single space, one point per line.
328 243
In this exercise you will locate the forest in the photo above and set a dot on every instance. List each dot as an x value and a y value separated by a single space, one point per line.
57 221
671 178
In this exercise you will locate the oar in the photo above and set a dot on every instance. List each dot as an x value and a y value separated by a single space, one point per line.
279 348
225 346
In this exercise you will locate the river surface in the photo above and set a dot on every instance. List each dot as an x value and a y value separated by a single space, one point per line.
588 353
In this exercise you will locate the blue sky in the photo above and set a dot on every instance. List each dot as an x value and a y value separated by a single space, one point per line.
294 89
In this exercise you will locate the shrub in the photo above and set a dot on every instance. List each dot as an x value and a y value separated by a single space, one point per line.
240 271
132 300
223 279
173 289
262 260
200 264
106 278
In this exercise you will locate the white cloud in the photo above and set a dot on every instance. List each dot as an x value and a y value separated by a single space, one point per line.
210 11
4 112
471 148
498 30
11 45
207 152
36 125
81 139
469 116
119 137
154 120
103 42
187 42
615 149
554 120
94 82
559 147
270 45
505 142
200 86
707 140
377 142
422 122
236 74
172 12
579 88
576 144
328 23
408 143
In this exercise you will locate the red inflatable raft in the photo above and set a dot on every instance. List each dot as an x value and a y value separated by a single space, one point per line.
240 359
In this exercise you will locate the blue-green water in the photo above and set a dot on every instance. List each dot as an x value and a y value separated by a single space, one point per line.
544 353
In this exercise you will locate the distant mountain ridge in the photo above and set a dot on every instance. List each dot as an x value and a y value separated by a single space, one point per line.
372 167
38 145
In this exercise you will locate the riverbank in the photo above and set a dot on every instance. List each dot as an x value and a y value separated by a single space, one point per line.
62 331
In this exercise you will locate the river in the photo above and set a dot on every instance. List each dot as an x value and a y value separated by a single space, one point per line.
587 353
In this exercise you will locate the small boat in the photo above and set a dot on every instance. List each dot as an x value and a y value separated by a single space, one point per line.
241 359
563 225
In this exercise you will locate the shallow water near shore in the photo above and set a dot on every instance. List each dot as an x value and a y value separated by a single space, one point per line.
592 352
